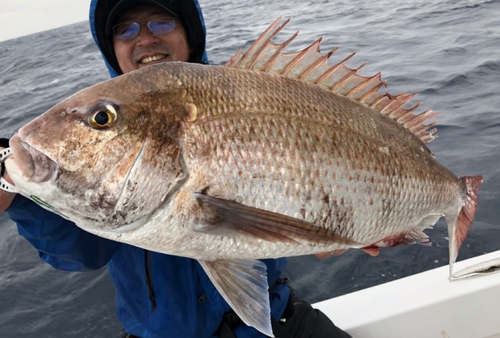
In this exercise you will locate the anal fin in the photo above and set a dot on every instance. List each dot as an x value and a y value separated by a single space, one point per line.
243 284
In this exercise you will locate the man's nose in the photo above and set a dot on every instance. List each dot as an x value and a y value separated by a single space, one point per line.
146 37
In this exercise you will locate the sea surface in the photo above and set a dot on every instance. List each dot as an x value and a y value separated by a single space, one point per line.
446 51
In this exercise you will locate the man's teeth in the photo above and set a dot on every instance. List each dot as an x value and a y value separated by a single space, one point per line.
152 58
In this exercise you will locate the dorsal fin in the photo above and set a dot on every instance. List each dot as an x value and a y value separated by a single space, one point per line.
311 66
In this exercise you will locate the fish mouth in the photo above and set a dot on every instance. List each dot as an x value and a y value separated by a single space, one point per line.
34 165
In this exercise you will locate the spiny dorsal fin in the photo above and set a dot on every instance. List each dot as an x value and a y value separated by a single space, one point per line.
311 66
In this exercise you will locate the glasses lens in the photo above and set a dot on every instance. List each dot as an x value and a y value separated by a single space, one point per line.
162 25
127 30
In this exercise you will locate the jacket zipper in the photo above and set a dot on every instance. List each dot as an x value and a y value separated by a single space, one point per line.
149 279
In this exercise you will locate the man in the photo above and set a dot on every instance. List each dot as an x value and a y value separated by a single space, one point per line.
157 295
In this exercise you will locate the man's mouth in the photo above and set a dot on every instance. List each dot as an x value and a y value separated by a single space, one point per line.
149 59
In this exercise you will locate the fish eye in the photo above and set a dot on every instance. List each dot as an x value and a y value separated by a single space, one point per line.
102 116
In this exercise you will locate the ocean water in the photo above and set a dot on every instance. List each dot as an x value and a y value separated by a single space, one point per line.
446 51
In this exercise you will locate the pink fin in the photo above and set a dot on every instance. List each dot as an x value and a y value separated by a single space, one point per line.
415 236
311 66
372 251
466 215
324 255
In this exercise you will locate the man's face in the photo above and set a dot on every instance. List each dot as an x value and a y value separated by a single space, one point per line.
147 48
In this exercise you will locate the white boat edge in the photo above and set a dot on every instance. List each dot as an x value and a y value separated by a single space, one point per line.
423 305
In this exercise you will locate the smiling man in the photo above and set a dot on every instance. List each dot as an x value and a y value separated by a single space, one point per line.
135 47
157 295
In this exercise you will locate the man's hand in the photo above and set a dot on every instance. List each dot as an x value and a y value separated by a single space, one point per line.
6 197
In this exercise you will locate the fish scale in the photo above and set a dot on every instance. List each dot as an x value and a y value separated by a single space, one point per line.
269 130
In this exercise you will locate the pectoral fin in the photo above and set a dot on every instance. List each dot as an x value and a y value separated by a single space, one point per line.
223 215
243 284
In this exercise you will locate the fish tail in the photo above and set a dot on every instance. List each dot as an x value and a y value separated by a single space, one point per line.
458 229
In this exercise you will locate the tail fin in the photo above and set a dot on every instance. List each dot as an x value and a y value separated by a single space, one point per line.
458 230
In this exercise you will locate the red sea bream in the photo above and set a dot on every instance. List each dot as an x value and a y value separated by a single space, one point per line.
272 155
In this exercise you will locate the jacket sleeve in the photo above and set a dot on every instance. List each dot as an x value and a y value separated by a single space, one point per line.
59 241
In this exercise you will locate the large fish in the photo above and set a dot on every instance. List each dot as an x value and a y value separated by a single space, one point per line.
273 155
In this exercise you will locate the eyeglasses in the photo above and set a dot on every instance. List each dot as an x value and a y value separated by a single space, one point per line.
129 30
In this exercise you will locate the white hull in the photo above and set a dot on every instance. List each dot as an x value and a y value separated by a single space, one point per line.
425 305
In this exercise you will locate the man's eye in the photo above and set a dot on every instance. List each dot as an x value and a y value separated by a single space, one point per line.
161 23
162 26
126 30
120 29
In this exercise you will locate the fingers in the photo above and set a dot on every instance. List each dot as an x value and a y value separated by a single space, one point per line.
6 199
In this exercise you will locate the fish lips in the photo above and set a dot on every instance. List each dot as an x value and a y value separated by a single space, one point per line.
34 165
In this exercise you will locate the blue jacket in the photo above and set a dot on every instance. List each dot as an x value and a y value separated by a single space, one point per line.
157 295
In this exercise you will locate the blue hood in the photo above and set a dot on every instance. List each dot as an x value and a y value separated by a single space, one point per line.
189 14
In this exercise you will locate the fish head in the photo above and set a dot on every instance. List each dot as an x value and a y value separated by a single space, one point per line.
107 157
